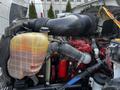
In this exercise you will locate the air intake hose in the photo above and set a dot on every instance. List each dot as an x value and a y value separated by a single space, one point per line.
71 25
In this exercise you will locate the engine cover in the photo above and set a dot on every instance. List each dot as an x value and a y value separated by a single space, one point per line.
27 54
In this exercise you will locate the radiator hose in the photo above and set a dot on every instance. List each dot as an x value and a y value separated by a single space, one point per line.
69 51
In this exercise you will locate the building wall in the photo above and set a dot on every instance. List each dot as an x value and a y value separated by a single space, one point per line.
111 2
59 6
4 15
79 8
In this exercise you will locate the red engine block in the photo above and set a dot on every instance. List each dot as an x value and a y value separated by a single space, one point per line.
82 45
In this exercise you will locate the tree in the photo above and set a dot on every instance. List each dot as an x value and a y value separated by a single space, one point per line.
32 11
51 12
68 7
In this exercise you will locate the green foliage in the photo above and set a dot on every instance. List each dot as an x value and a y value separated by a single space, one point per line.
51 12
68 7
32 11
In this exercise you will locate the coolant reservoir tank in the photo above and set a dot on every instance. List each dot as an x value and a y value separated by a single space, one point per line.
27 54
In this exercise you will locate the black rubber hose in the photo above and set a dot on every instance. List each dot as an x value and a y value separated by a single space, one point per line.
71 25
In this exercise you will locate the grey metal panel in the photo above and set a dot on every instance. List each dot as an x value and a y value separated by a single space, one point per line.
17 12
21 2
3 24
118 1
